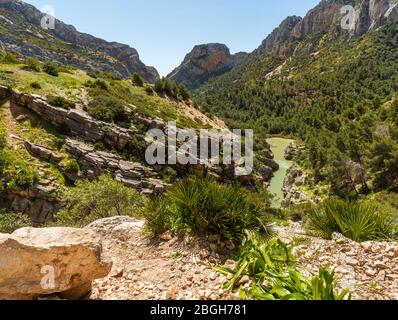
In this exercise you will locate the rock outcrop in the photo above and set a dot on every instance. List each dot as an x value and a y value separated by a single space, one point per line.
40 262
39 202
204 62
121 228
65 44
276 41
95 163
295 177
77 122
326 18
292 152
268 166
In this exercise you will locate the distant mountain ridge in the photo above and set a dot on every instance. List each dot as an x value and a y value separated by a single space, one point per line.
283 42
21 32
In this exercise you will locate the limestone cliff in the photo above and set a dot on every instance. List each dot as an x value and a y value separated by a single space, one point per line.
208 61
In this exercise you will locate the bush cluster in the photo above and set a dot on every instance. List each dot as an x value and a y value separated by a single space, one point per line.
109 109
61 102
172 89
102 198
51 68
202 206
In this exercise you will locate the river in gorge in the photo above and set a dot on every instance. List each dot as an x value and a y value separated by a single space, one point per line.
278 147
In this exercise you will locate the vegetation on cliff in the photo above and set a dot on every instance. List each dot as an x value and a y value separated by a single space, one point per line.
341 100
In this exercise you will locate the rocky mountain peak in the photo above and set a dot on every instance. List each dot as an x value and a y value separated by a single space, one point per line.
275 41
203 62
65 44
326 17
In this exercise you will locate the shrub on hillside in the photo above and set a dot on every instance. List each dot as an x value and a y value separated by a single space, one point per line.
70 165
102 198
32 64
61 102
9 222
99 84
137 80
51 68
8 58
35 85
357 221
108 109
149 91
104 75
203 206
171 89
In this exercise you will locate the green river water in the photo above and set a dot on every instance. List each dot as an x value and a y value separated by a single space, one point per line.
278 147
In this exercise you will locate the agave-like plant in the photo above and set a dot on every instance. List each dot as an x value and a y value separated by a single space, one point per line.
271 268
355 220
204 206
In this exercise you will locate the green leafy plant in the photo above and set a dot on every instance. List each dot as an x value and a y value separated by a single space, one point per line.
70 165
357 221
203 206
271 268
149 90
3 139
92 200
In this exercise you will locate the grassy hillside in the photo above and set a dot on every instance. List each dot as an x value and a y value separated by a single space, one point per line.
30 76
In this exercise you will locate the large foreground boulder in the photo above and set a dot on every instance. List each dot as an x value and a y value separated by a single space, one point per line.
39 262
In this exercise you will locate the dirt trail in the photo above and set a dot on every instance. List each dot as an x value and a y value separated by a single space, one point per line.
158 269
9 123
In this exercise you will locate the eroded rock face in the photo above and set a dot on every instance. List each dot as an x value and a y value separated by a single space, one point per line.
292 194
325 18
292 152
74 48
37 262
95 163
275 42
78 122
204 62
38 202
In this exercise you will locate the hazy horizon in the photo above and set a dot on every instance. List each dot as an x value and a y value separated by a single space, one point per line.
164 32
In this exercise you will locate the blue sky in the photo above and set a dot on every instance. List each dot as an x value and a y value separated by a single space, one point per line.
164 31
